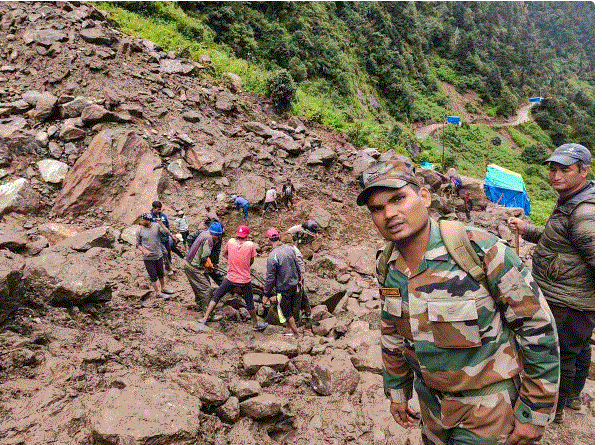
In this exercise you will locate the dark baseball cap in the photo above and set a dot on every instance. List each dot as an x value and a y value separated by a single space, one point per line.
568 154
388 174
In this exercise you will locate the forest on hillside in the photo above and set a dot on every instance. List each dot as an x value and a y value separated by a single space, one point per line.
505 51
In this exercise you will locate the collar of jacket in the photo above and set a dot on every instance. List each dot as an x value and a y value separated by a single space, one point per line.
567 205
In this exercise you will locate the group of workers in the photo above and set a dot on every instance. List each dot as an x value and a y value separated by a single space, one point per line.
285 266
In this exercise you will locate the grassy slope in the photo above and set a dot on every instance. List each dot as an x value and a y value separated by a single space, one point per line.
172 29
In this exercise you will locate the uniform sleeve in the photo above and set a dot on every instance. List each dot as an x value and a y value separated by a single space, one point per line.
397 374
582 231
138 238
527 314
202 254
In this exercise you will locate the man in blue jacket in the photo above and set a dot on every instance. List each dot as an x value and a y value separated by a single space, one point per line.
242 203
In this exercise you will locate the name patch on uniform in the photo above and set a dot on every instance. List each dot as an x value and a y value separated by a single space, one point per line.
389 292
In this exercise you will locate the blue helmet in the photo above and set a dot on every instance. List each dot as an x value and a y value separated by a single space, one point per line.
216 229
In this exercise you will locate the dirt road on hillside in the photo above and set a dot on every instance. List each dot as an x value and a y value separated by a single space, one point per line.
458 105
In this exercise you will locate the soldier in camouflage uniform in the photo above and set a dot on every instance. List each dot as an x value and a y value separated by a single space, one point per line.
484 362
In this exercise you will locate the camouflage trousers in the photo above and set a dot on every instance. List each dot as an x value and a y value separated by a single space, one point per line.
201 286
473 420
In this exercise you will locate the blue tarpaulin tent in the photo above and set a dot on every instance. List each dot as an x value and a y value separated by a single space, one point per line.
506 188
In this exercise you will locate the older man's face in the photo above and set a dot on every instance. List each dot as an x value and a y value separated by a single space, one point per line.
399 214
567 179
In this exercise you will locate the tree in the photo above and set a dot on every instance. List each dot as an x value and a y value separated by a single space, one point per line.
281 89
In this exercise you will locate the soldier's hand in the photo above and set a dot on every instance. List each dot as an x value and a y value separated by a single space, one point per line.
517 224
400 414
525 433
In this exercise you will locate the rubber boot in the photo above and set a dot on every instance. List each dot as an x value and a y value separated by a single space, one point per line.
559 417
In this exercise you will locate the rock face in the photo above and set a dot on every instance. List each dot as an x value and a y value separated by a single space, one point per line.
208 162
150 413
117 161
334 373
11 290
62 280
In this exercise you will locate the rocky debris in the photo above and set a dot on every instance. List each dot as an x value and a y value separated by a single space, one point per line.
44 37
56 279
207 162
12 237
152 412
262 406
225 102
75 107
16 142
179 170
93 114
46 107
172 66
321 156
334 373
56 232
229 412
97 35
18 196
208 388
243 389
98 237
11 289
52 171
252 361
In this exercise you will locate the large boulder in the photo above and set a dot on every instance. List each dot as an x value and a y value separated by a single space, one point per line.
362 258
44 37
115 171
11 288
18 196
431 177
321 156
147 413
64 280
179 170
251 187
334 374
98 237
208 162
321 216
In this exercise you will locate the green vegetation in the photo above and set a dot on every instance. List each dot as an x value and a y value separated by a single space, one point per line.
372 68
518 137
281 88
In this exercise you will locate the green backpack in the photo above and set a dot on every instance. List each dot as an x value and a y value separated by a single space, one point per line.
455 238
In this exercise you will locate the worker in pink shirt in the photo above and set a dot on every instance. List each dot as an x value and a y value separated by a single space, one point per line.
240 254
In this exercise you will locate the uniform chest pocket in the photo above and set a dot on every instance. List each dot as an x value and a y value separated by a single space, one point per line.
454 324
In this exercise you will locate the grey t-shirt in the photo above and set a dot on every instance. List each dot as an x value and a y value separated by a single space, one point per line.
148 237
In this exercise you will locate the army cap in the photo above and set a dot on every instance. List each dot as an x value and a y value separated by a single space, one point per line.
388 174
568 154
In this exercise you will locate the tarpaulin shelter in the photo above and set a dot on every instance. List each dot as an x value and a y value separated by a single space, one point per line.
506 188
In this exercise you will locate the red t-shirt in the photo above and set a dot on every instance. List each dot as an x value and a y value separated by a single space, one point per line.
239 254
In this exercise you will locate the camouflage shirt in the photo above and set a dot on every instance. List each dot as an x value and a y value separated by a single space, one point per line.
461 337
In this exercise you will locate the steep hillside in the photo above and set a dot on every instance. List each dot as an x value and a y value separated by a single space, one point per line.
94 126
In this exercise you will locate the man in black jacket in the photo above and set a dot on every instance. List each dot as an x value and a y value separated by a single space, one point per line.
563 266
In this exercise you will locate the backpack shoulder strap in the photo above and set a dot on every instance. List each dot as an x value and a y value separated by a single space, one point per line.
382 265
455 238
